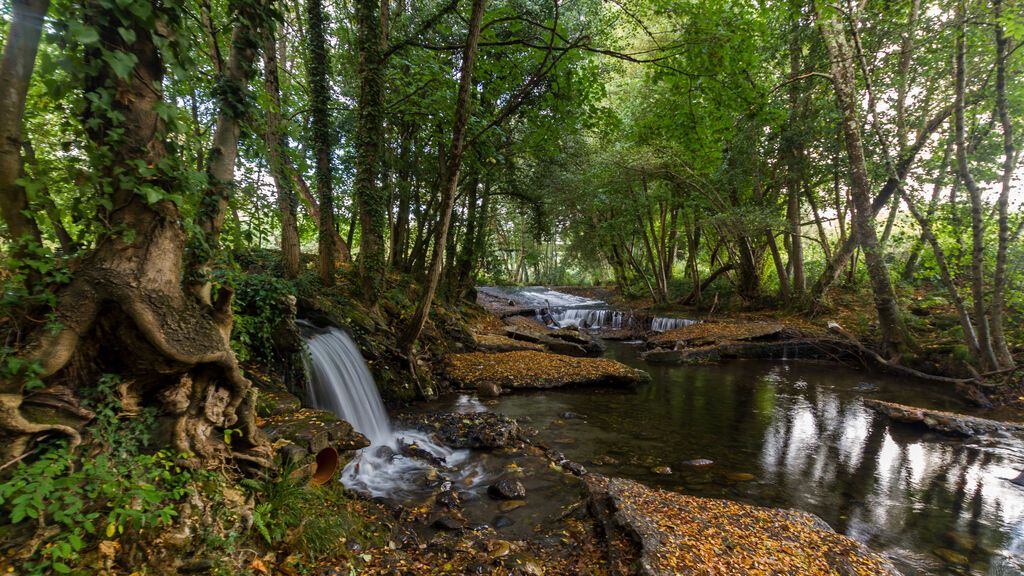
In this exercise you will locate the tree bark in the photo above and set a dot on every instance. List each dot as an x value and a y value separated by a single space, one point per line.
463 109
67 243
126 309
15 72
988 358
998 305
277 148
234 83
317 64
369 197
893 332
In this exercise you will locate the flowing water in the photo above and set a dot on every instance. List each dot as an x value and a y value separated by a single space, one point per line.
340 382
796 435
786 434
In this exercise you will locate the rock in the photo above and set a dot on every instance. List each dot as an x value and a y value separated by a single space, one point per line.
415 452
570 416
663 470
274 402
573 468
498 548
310 431
446 521
496 343
951 557
522 565
488 390
698 462
944 422
665 533
478 430
604 460
511 505
712 332
702 355
449 499
507 489
740 476
528 369
502 521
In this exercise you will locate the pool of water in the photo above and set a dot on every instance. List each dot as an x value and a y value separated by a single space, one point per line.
796 435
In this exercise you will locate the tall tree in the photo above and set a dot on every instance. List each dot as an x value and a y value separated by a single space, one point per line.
450 180
894 335
15 72
317 64
277 148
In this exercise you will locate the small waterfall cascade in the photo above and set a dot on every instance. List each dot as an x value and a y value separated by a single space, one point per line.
589 318
340 382
666 324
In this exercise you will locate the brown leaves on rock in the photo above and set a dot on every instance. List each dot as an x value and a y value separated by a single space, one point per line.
494 343
530 369
689 535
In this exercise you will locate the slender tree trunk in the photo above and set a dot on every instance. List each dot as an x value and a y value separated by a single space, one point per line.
893 332
317 64
371 202
67 243
988 358
463 108
794 163
234 79
400 235
780 268
15 72
277 148
998 305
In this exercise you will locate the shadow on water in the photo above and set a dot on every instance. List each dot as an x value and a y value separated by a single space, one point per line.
796 435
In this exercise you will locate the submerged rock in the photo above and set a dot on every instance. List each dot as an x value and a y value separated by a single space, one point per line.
665 533
527 369
507 489
698 462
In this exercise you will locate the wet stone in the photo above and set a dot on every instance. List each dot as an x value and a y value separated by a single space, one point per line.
604 460
511 505
507 489
740 476
663 470
448 522
502 521
951 557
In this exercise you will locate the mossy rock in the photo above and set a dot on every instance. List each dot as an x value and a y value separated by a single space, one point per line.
309 431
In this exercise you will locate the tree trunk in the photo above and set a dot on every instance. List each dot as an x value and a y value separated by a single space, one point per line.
220 169
67 243
277 148
988 358
893 332
463 108
400 235
369 197
998 305
126 310
15 72
317 64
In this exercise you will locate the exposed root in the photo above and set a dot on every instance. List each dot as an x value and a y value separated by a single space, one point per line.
179 348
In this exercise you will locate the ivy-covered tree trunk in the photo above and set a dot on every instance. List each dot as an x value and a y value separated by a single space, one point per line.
276 150
15 72
126 310
369 195
463 108
893 332
320 126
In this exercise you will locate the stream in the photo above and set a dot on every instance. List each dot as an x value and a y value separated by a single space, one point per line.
795 435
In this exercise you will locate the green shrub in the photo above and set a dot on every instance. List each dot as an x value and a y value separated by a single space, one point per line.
106 489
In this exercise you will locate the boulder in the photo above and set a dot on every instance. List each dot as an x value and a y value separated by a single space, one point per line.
666 533
507 489
702 355
529 369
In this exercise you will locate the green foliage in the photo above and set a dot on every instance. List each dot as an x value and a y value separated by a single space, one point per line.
108 489
258 309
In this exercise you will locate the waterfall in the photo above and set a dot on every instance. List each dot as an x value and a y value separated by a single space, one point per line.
666 324
340 382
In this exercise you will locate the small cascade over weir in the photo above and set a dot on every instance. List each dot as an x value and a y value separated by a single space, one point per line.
341 382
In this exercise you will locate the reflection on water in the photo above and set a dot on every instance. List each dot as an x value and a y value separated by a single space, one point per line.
796 435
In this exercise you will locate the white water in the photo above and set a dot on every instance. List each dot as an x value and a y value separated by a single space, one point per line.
666 324
341 382
539 296
589 318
